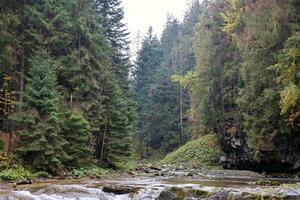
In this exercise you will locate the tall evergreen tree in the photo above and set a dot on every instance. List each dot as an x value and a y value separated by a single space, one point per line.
41 144
149 58
117 36
117 40
75 129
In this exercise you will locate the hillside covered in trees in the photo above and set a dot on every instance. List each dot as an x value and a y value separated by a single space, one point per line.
64 82
230 69
70 96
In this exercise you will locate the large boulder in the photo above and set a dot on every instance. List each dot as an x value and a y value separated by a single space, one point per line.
119 190
175 193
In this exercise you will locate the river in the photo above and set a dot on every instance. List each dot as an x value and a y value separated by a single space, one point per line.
143 187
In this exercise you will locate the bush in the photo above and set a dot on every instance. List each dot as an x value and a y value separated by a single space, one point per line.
15 174
7 160
126 166
197 153
42 174
92 172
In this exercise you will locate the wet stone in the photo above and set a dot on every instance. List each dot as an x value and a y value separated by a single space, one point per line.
167 195
119 190
292 194
222 195
24 182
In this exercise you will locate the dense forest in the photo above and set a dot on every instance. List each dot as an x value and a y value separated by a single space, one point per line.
71 97
238 61
65 90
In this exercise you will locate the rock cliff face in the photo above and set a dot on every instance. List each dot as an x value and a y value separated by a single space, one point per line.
238 154
234 145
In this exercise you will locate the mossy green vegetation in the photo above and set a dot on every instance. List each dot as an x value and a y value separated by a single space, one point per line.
182 193
16 173
126 166
267 183
91 172
20 173
290 186
203 152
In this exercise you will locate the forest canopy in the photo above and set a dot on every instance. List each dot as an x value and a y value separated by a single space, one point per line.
70 95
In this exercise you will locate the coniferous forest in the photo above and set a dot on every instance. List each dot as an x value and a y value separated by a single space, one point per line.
72 97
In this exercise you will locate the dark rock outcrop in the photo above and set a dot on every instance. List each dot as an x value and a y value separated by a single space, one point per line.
119 190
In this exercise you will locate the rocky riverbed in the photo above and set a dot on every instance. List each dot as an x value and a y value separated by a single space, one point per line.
149 183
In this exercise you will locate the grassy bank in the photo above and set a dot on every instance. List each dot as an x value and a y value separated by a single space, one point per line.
203 152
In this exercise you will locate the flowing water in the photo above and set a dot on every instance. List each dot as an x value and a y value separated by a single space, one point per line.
148 188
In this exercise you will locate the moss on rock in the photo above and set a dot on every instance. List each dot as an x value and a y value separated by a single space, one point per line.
175 193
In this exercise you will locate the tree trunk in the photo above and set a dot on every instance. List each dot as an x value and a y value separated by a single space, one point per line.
103 142
180 98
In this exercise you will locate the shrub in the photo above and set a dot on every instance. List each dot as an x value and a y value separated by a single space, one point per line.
42 174
15 174
92 172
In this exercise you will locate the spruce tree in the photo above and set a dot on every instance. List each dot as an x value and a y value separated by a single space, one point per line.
115 144
117 37
149 59
41 143
75 129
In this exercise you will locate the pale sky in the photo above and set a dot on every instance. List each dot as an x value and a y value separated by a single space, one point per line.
140 14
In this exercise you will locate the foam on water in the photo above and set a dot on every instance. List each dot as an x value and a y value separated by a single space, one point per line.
61 192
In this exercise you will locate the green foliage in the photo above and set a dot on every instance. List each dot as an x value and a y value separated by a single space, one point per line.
76 131
267 183
288 67
148 61
233 17
42 174
213 83
160 100
86 47
237 60
126 165
7 160
259 99
197 153
16 173
91 172
41 144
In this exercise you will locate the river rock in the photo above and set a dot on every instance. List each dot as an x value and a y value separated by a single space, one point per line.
119 190
182 193
292 194
155 168
24 182
222 195
191 174
167 195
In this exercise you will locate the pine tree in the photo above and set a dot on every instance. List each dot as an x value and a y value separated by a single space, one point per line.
149 59
75 130
117 35
168 97
207 88
41 144
115 144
